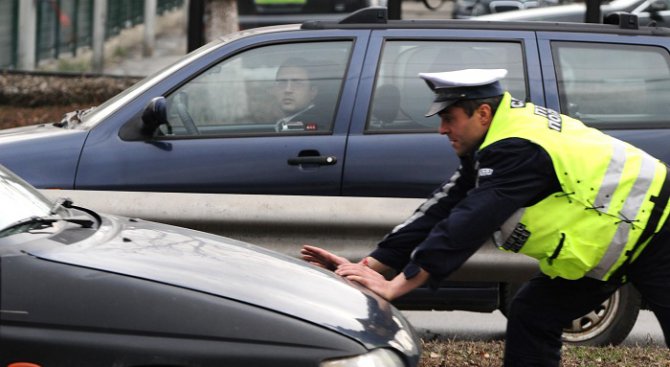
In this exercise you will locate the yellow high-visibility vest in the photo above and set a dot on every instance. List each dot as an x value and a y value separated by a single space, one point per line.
609 192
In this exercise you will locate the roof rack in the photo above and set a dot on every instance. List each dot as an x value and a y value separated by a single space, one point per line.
369 15
377 18
372 14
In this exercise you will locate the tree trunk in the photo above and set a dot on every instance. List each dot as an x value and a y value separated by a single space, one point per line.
220 18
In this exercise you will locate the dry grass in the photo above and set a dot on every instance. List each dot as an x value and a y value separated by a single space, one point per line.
22 116
27 99
27 90
489 354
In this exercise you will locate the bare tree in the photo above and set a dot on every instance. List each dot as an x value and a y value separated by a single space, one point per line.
220 18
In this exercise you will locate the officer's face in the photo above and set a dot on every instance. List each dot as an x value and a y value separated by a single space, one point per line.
293 89
465 132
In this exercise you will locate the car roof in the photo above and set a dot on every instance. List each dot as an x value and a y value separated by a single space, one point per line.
376 18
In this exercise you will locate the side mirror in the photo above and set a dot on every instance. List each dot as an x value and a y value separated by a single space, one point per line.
154 115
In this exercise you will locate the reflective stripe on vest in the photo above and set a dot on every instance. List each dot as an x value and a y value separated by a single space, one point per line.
437 196
631 207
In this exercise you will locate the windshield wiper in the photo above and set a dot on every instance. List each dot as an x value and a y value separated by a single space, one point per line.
29 224
73 118
67 203
35 222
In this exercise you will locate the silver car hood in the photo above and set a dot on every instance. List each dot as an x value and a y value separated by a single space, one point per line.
239 271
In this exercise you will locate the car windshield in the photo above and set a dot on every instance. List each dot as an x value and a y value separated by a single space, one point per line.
89 120
99 113
19 200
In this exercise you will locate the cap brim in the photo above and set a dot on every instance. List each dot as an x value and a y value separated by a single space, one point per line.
437 107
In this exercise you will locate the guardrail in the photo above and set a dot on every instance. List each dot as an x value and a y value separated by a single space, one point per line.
348 226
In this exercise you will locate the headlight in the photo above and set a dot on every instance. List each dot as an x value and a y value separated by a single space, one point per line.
376 358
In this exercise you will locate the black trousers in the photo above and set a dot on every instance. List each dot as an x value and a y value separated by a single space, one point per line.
543 306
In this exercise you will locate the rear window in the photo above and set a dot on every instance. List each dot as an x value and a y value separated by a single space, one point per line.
613 85
401 98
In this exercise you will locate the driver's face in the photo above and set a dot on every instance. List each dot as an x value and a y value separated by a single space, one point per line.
293 89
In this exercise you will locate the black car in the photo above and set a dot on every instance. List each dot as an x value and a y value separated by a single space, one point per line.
79 288
259 13
464 9
205 144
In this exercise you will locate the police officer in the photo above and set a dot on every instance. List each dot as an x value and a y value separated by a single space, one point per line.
590 208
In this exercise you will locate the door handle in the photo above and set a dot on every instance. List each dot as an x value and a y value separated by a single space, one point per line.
318 160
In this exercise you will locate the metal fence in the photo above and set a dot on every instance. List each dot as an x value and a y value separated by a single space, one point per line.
64 26
9 10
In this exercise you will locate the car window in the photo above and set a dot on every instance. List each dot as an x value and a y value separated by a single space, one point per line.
276 89
401 98
613 84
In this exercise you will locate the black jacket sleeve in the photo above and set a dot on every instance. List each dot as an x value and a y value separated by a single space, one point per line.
506 176
395 249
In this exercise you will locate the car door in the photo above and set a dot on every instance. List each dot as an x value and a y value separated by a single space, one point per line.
238 124
617 83
393 149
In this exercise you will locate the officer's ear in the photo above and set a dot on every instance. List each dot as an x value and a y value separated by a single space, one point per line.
484 114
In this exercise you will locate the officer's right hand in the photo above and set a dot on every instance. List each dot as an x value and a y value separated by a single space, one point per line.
322 258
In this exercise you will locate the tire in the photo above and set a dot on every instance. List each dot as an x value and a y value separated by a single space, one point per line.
433 4
609 324
480 9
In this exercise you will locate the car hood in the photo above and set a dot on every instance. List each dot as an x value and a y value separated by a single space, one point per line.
240 271
31 132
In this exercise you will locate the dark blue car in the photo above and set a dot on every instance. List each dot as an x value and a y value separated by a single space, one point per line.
226 119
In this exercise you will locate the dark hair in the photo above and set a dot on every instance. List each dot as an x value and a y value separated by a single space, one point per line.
298 62
471 105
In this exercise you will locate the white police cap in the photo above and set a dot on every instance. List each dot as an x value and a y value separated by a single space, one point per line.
452 86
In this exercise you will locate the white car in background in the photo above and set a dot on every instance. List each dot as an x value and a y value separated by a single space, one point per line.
647 11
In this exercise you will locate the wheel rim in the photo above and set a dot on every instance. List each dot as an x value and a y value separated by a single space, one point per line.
433 4
593 323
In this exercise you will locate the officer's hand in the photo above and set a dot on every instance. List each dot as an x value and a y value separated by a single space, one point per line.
387 289
367 277
322 258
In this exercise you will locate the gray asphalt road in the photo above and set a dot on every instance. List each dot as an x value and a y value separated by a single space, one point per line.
462 325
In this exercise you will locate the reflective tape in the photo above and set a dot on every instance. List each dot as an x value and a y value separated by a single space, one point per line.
612 176
430 202
628 213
